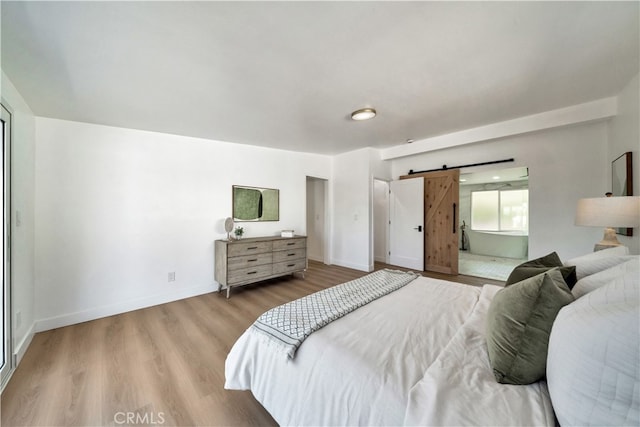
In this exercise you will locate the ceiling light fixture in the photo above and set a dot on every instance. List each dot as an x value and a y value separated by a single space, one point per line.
363 114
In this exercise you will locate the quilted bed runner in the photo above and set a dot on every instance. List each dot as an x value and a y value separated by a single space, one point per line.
290 324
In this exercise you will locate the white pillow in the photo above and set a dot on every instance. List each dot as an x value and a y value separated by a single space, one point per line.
601 278
598 261
592 361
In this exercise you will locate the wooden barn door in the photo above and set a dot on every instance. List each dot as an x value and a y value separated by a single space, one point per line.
441 211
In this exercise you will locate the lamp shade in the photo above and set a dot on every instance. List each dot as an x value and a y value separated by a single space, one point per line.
609 212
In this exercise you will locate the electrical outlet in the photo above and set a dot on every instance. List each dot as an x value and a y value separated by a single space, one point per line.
172 276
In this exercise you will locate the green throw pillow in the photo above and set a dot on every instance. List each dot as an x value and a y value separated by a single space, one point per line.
519 322
551 260
522 272
539 266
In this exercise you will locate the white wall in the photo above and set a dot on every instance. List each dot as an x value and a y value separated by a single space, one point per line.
22 201
351 209
352 206
117 209
565 164
624 136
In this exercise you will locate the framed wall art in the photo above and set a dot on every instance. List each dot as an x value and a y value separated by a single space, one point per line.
622 182
255 204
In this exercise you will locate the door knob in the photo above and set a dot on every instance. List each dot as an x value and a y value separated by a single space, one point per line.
419 228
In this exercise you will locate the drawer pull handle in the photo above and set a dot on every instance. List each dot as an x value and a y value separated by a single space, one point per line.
291 265
252 272
291 243
252 260
252 248
291 254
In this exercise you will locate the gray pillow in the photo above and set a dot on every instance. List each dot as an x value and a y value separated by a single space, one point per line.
519 323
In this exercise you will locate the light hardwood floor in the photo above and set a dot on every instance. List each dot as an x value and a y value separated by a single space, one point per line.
161 365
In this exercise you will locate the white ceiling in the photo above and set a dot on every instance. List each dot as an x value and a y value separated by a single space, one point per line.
287 74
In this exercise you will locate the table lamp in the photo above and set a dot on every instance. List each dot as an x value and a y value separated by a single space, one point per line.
609 212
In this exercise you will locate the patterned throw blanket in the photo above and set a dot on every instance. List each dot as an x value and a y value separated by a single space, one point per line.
290 324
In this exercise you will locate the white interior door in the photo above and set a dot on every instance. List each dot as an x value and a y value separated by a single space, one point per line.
406 237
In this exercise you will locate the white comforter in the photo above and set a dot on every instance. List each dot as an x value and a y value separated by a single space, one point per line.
416 356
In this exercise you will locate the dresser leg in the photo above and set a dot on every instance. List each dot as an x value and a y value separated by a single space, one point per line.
228 289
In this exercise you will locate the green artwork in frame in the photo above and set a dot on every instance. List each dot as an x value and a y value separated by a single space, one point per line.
255 204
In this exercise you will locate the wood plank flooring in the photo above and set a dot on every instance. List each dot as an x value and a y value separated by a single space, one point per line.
162 365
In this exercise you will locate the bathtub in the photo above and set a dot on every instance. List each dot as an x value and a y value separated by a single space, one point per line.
504 244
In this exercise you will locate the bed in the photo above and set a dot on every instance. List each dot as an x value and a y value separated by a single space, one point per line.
418 356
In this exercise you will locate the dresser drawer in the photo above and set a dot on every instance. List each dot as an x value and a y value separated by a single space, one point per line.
250 274
290 266
249 248
292 243
247 261
289 255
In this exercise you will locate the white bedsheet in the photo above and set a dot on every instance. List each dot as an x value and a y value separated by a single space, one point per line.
369 367
459 388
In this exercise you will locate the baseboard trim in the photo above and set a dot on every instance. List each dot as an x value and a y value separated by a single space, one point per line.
18 354
126 306
21 348
361 267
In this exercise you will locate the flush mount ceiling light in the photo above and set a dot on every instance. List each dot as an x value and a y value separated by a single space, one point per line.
363 114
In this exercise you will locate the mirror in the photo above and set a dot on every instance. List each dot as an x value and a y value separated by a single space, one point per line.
228 227
622 183
255 204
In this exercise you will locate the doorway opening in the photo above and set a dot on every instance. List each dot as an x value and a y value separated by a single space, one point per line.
6 362
317 246
494 222
380 221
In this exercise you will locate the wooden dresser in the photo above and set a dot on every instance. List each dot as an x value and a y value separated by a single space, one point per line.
241 262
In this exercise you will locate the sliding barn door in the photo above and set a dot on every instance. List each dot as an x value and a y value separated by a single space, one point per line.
441 203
